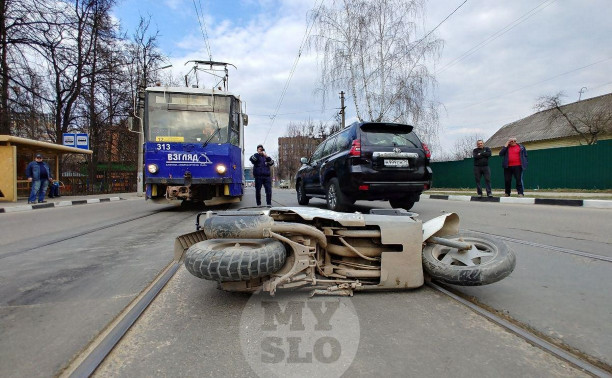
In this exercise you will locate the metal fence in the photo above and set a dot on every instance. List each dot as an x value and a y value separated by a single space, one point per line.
579 167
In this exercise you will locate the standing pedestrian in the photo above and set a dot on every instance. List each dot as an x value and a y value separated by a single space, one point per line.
481 156
514 163
39 174
261 170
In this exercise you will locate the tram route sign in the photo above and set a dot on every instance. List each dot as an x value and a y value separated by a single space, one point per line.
69 139
82 141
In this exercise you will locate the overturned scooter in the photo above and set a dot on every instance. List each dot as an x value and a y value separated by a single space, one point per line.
335 253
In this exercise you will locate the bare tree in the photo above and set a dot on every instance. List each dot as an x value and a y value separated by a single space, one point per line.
376 50
18 27
300 141
588 122
143 56
463 147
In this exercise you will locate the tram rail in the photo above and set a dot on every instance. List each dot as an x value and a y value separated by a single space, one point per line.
92 356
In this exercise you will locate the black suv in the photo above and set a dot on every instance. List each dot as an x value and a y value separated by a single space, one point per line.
366 161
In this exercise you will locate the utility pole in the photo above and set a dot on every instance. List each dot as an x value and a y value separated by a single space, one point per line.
342 108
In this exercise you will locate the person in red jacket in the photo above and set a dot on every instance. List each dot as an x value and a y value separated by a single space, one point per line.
514 163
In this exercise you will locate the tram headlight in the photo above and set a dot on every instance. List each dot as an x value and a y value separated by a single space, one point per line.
152 168
221 169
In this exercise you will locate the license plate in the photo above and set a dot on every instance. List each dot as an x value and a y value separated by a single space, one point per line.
396 163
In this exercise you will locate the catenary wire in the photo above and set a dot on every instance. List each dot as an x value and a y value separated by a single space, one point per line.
295 63
202 23
498 34
539 82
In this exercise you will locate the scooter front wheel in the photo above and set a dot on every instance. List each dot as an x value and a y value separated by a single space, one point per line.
488 261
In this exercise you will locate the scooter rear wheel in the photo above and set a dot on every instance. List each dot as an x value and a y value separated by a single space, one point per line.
225 260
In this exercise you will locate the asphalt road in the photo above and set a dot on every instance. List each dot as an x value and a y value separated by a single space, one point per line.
58 291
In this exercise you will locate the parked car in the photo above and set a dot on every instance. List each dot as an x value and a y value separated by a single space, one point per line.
366 161
284 184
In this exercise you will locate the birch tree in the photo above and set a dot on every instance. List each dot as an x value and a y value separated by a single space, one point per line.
377 51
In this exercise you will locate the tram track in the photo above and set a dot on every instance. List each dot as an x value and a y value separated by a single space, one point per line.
79 234
89 360
92 356
576 358
549 247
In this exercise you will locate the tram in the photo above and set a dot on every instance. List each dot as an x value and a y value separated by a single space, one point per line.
194 141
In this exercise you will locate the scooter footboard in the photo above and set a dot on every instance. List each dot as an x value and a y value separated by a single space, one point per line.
183 242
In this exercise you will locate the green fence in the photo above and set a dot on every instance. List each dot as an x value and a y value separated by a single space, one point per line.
580 167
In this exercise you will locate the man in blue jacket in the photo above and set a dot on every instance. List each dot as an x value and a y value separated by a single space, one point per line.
39 174
261 170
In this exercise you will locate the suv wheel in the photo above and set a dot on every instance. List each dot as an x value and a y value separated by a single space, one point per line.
405 203
301 195
334 197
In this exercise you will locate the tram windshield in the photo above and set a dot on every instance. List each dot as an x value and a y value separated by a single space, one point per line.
189 118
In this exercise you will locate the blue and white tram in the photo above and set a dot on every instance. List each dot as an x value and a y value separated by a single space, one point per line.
193 149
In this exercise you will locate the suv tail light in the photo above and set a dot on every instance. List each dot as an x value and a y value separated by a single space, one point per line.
426 149
355 148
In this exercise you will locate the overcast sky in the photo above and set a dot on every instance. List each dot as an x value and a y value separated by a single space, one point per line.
498 57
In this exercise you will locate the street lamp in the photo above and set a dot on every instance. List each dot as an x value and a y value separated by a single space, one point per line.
140 176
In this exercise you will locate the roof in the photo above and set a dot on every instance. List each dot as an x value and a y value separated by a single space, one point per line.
13 140
539 127
191 90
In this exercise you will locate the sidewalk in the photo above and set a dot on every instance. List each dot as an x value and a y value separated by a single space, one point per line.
62 201
601 200
529 193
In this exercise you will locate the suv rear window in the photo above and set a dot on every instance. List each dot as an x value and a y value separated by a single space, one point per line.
382 135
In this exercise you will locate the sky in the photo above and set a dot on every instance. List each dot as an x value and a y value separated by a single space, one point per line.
498 57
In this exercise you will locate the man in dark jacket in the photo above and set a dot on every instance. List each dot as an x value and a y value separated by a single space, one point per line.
39 174
261 170
514 163
481 156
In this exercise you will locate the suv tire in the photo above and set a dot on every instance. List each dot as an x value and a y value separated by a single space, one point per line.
301 194
334 197
405 203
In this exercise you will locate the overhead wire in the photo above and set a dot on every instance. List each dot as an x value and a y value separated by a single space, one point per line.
441 22
307 34
543 5
539 82
295 63
202 23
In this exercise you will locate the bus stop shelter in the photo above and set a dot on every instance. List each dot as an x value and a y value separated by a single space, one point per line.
16 153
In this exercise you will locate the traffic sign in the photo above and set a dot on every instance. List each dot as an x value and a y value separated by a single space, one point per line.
69 139
82 141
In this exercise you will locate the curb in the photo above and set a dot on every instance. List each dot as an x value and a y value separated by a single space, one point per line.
598 204
48 205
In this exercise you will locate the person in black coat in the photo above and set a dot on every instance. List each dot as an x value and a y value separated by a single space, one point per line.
481 156
261 171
